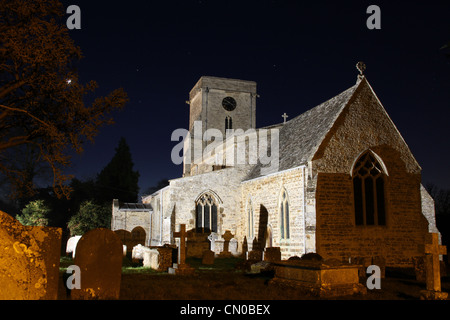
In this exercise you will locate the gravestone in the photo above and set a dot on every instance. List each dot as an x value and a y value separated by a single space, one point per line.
227 236
272 254
29 260
72 245
138 252
212 238
318 277
158 258
99 257
244 248
432 267
208 257
151 259
181 268
165 257
234 247
255 255
196 243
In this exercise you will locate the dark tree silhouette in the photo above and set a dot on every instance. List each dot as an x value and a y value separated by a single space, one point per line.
118 180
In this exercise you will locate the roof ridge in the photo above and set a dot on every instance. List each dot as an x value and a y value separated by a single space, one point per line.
300 138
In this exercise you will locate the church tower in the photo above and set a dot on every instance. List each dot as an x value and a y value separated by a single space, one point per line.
220 103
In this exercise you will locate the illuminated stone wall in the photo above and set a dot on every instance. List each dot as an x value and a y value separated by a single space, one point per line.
364 125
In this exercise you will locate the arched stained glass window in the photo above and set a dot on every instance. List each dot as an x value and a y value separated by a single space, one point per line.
369 181
206 214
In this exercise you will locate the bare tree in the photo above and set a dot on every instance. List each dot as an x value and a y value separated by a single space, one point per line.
41 99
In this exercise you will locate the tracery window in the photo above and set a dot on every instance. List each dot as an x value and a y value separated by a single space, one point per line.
284 215
206 214
369 181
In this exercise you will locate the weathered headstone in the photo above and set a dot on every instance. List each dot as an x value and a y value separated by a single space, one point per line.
212 238
151 259
29 260
234 247
255 255
99 257
272 254
72 245
432 266
181 267
165 257
196 243
208 257
138 252
227 236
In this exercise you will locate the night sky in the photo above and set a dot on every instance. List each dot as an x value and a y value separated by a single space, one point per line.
300 54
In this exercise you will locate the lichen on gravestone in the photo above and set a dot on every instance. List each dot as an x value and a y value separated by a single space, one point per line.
29 260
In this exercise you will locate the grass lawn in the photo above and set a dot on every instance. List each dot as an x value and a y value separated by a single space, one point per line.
223 281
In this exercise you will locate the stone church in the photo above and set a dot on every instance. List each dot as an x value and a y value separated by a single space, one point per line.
342 183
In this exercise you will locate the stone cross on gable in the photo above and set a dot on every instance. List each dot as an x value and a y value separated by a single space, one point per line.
432 252
182 247
284 116
361 66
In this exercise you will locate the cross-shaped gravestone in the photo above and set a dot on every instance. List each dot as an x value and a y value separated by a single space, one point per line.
227 236
182 267
284 116
432 252
182 247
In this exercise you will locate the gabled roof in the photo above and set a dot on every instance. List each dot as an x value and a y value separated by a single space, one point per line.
301 137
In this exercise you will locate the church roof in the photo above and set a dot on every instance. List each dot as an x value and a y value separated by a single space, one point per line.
127 206
301 137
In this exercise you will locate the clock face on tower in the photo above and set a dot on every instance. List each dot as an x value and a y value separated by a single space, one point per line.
228 103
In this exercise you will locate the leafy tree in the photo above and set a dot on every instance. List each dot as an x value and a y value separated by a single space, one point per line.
118 180
41 99
34 214
89 216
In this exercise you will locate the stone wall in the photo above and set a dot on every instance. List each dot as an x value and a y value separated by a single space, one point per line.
365 125
160 224
264 195
428 209
224 185
206 106
130 220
